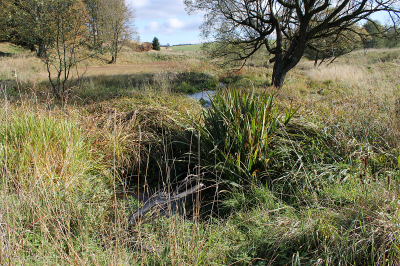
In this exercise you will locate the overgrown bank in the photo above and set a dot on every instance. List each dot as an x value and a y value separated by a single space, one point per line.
324 190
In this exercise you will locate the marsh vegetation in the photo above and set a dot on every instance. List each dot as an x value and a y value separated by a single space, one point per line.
304 175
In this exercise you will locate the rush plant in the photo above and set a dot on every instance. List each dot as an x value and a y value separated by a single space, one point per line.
236 133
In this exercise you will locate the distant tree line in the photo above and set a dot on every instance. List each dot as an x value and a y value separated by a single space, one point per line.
381 36
372 34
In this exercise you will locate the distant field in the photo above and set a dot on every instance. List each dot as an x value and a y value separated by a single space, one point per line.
191 48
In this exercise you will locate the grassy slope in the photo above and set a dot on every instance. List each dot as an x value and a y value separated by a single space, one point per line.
189 48
9 48
335 203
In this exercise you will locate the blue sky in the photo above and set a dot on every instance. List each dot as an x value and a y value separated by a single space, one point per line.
170 23
166 20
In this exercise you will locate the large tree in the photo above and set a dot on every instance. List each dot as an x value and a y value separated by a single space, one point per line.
24 23
377 34
334 46
5 10
286 28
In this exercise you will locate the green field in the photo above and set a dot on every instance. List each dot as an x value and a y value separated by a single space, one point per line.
189 48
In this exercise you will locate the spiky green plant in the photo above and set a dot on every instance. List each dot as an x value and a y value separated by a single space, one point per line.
236 132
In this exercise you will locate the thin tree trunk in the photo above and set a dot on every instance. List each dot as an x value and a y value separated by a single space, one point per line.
41 49
316 60
113 60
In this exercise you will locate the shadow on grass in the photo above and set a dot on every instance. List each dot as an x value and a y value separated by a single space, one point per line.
100 88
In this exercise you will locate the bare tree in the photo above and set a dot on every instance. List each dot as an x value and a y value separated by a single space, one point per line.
286 28
65 35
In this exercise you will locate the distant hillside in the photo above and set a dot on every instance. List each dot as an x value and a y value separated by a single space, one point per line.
191 48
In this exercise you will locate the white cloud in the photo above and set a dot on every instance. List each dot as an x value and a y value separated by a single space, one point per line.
154 9
174 23
173 26
167 20
152 26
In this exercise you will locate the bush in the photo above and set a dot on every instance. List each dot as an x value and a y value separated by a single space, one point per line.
144 47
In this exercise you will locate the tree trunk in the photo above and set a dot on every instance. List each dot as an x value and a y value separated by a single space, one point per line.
41 49
113 60
316 60
284 63
279 74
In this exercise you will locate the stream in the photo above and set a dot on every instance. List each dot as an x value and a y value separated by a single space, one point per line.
205 95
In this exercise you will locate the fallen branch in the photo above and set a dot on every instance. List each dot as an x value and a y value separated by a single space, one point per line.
159 200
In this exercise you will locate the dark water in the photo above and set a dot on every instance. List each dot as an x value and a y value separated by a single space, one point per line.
205 95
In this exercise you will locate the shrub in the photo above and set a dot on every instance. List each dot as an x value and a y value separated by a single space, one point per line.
144 47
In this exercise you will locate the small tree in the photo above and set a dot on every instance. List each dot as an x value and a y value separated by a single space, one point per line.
64 35
156 44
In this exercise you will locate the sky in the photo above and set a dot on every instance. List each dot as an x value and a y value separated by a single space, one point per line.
166 20
170 23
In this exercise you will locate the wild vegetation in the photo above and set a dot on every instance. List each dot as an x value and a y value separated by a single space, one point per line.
304 175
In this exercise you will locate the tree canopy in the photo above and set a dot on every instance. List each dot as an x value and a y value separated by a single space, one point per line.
286 28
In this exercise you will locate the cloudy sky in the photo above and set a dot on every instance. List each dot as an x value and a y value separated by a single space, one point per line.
170 23
166 20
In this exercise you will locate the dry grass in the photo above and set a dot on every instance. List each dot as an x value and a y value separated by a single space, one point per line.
24 69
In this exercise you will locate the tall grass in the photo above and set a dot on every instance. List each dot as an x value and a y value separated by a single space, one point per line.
38 145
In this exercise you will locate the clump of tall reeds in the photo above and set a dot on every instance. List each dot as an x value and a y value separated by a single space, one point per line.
236 133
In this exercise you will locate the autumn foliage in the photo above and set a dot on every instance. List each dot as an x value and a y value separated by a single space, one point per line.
144 47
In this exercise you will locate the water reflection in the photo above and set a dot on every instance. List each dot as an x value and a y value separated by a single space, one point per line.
205 95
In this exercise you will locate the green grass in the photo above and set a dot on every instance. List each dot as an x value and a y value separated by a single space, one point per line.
188 48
